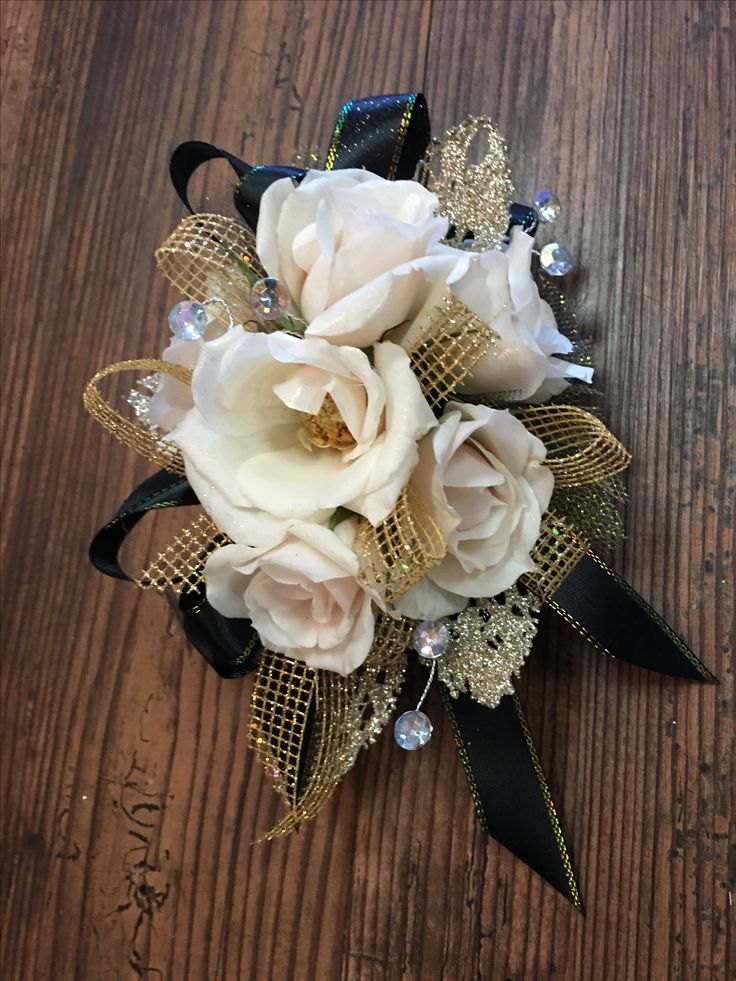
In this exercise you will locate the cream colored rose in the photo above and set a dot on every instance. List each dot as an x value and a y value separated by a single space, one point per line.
483 475
302 595
287 429
499 288
357 253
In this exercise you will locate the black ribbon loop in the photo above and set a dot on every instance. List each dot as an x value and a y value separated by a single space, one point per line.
230 645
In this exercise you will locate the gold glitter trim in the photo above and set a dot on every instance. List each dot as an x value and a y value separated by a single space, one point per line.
346 715
210 255
404 547
475 197
580 450
489 642
133 433
550 805
180 566
444 348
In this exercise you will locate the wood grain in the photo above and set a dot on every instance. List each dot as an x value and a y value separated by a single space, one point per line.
130 801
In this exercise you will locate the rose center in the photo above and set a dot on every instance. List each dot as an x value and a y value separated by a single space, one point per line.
327 427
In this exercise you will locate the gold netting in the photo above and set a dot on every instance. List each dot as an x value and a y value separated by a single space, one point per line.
180 566
348 713
396 554
205 256
580 450
280 703
556 553
447 348
475 197
132 433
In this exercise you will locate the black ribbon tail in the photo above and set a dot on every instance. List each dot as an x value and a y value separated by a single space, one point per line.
230 645
605 609
511 795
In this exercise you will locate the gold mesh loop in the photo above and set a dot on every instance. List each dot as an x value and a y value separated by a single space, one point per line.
580 450
446 347
348 714
403 548
180 566
282 695
132 433
210 255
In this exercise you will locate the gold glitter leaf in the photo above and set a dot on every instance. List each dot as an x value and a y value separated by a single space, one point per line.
475 197
489 643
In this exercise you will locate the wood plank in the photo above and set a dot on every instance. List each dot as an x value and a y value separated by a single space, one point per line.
130 801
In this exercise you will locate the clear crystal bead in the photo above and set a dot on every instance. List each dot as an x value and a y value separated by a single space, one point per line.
188 320
430 639
555 260
547 205
412 730
269 298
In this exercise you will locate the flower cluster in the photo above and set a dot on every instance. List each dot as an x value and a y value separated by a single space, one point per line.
290 441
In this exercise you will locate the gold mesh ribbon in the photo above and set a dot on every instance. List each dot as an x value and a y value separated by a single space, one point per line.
475 197
210 255
445 348
132 433
396 554
580 450
556 553
180 566
347 714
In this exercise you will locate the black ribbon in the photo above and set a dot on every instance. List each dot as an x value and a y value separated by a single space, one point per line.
606 609
230 645
508 786
389 135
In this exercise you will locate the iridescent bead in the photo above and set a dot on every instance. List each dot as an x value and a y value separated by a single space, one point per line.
188 320
555 260
269 298
412 730
430 639
547 206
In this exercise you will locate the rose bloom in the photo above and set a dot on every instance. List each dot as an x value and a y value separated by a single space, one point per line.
287 429
359 254
302 595
483 476
500 289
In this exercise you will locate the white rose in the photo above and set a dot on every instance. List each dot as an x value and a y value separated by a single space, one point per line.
301 594
482 474
357 253
288 429
499 288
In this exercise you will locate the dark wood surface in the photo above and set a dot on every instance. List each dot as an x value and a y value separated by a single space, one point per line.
130 797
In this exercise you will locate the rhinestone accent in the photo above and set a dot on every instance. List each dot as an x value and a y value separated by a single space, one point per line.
555 260
412 730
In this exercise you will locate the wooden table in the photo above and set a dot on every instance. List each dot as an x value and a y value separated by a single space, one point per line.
131 799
